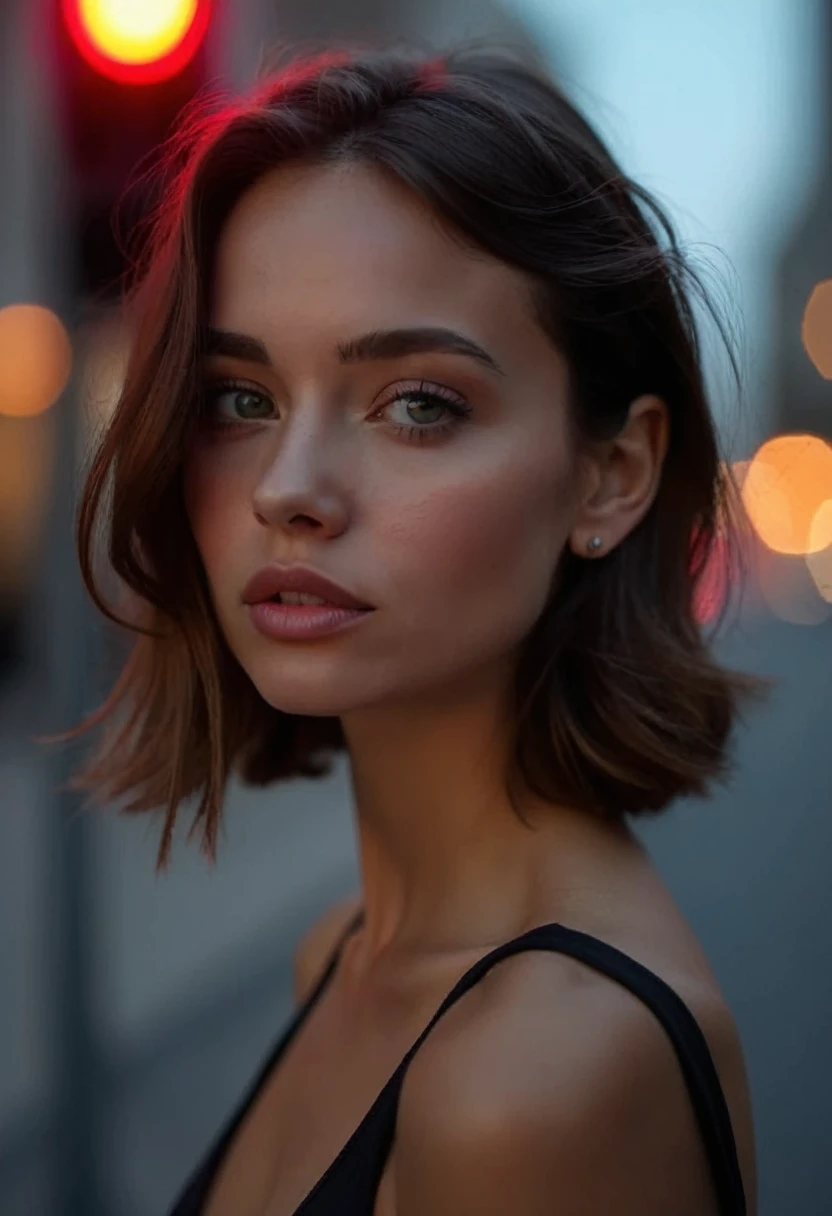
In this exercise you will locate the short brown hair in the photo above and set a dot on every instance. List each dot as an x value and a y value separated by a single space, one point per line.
619 705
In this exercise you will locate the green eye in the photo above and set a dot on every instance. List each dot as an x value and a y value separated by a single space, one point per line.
247 404
454 408
245 400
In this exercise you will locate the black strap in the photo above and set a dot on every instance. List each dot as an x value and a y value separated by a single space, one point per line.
191 1200
687 1038
375 1134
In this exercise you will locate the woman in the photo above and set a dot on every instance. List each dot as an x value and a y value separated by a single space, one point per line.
407 342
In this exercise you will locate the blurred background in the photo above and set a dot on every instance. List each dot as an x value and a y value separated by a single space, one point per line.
135 1006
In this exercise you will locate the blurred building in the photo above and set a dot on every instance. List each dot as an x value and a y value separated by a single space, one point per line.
803 364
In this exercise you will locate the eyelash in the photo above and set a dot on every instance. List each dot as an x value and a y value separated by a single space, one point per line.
458 409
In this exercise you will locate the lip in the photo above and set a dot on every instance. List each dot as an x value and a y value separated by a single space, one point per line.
302 622
276 578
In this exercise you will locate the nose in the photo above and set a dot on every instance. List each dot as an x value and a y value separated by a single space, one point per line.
301 488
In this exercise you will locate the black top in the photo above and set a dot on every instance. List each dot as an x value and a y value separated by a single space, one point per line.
348 1186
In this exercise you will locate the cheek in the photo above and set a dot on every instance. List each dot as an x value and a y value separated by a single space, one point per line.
487 547
209 503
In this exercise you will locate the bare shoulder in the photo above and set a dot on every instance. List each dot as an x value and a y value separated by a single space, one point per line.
548 1079
318 941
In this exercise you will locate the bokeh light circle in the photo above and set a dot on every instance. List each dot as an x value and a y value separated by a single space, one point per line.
35 359
819 560
137 41
786 484
816 328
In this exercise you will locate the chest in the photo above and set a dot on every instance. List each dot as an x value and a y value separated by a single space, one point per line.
317 1095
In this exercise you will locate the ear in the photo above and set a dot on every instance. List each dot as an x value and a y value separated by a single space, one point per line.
622 479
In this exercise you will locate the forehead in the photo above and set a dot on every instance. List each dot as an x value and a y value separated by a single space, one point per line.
351 243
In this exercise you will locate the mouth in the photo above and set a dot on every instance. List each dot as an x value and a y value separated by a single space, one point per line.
300 617
298 586
299 598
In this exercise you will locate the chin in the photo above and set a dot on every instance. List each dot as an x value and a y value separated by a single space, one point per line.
306 707
306 700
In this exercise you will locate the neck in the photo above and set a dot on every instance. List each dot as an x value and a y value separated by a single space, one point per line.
447 864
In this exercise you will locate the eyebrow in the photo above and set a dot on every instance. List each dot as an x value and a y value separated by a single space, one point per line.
380 344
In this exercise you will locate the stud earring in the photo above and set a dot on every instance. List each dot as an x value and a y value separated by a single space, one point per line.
593 545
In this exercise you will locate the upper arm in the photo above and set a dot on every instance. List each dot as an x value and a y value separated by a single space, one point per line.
317 943
588 1117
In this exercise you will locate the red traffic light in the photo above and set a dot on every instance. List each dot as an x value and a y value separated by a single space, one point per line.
137 41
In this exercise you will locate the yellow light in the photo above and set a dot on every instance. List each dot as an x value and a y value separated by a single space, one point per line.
819 562
35 359
787 482
816 328
136 31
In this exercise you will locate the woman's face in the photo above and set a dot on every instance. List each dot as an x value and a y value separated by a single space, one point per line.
447 511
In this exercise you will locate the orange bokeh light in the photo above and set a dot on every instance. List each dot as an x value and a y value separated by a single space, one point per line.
819 561
35 359
816 329
786 484
789 590
137 41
